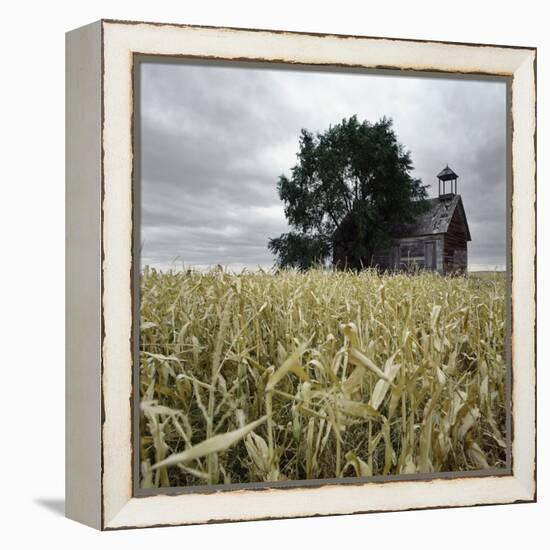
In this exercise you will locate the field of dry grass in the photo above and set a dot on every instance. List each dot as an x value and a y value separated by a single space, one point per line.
263 377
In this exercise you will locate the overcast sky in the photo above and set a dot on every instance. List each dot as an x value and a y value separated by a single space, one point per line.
215 139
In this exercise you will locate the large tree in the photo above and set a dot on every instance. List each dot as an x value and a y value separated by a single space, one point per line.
351 185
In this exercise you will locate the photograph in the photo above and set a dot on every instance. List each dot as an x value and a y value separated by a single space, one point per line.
322 273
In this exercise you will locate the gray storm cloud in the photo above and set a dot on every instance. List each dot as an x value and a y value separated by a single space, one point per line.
215 139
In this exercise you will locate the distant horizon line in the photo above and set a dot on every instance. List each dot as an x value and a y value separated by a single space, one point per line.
478 268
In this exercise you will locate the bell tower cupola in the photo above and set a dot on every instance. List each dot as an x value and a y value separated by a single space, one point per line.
447 175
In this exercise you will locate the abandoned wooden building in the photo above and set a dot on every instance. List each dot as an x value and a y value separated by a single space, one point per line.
437 240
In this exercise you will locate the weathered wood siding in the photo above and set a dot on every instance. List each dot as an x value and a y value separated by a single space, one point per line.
455 252
424 252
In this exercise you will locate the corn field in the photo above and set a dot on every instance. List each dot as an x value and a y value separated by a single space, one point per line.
263 376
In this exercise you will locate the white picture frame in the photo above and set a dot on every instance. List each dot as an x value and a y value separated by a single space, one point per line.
100 330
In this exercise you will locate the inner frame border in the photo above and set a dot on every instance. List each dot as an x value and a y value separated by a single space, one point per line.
138 59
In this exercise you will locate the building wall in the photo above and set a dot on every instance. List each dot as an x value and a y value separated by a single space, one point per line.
411 252
440 246
455 256
455 252
450 254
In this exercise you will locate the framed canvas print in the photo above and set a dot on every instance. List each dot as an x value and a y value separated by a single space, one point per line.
300 274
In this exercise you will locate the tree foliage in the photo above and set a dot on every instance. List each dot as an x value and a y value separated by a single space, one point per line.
350 186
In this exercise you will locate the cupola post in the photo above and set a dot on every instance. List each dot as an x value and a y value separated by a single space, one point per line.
447 175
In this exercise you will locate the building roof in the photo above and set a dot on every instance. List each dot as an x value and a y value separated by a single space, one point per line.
447 174
436 219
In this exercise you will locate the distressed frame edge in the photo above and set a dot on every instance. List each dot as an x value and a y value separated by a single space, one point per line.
309 33
525 488
524 270
517 493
